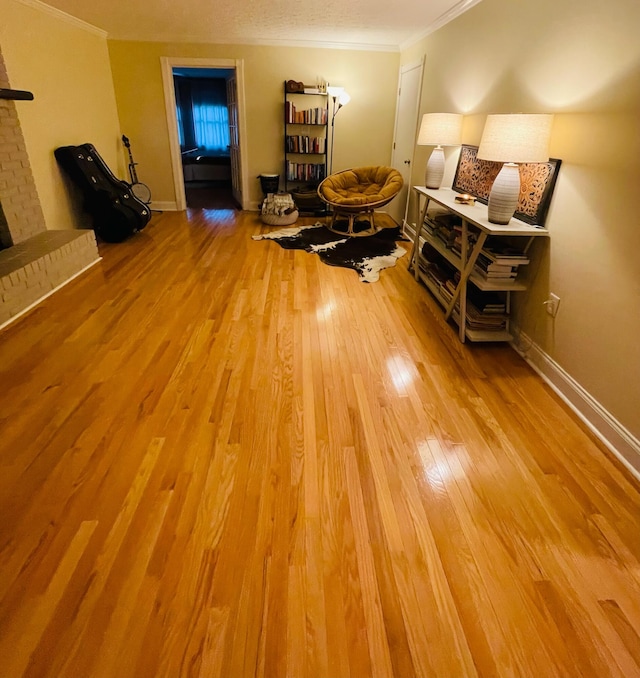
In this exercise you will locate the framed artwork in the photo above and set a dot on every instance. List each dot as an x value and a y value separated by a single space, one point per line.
537 181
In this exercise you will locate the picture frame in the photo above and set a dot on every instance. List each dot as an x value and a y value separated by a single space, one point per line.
538 180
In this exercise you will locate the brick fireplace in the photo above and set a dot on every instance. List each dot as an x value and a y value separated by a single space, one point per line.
34 261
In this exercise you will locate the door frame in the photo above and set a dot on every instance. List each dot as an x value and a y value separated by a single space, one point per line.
405 69
167 65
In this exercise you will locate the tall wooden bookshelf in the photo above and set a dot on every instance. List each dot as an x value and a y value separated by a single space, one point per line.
306 120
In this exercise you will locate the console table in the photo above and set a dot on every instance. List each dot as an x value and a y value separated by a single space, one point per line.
475 230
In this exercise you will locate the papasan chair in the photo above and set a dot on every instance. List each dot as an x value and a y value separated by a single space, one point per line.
359 191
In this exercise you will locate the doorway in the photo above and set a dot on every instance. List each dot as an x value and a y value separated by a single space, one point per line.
204 134
204 101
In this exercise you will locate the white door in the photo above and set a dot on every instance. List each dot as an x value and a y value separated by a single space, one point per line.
234 138
404 137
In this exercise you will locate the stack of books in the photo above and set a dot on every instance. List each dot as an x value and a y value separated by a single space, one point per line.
485 310
441 274
499 263
448 229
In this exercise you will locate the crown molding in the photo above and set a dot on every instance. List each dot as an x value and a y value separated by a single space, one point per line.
319 44
451 14
63 16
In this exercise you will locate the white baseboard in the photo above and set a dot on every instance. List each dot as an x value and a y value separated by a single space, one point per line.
163 206
608 429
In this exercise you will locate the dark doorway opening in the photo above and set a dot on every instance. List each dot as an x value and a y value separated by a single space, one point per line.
203 128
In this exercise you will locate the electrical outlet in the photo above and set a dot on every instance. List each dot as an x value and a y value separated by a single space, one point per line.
552 304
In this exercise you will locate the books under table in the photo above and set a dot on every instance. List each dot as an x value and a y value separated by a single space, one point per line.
500 253
484 310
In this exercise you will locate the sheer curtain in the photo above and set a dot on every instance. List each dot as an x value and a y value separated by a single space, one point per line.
202 113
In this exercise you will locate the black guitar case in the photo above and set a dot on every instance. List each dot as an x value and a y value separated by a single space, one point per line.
115 211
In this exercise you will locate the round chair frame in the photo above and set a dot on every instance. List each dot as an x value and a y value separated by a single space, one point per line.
351 212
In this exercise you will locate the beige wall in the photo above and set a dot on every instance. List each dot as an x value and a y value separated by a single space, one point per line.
364 128
67 68
581 61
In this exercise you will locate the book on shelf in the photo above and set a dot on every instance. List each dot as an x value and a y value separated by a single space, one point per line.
299 171
486 302
496 276
490 269
305 144
475 320
309 116
500 253
487 264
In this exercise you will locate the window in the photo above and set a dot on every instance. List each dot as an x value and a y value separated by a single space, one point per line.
202 115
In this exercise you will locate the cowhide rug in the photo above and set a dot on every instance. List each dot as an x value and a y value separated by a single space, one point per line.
368 255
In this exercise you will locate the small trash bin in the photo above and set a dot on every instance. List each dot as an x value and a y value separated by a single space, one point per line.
269 183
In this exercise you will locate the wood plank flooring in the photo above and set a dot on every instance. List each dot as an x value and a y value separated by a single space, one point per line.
220 458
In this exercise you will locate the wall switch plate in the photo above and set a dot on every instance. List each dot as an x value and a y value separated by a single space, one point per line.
552 304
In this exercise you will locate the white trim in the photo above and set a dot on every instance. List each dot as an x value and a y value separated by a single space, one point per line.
163 206
63 16
242 132
451 14
405 69
48 294
609 430
167 65
310 44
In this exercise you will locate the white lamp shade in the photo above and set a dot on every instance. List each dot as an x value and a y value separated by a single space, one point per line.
344 98
516 138
440 129
511 139
334 91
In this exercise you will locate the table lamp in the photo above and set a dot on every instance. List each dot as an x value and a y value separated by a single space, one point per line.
438 129
512 139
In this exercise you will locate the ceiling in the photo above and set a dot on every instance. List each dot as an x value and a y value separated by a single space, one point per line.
355 24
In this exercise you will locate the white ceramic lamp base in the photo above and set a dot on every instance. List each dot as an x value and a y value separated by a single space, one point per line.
504 195
435 168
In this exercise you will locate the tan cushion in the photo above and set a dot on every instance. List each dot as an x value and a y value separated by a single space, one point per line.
361 185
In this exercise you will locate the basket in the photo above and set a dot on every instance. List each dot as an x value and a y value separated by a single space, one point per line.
280 219
307 198
279 210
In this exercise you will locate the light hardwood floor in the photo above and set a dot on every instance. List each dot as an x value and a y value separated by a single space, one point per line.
225 459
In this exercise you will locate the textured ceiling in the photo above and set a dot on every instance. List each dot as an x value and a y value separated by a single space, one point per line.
381 24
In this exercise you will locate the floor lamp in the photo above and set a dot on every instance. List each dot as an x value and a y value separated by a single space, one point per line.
340 98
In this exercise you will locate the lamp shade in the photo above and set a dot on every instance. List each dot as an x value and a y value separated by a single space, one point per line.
516 138
440 129
512 139
344 98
